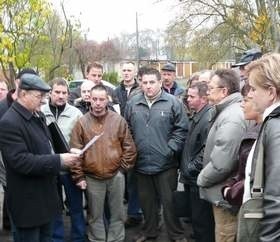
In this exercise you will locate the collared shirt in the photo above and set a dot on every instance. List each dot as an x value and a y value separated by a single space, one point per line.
151 101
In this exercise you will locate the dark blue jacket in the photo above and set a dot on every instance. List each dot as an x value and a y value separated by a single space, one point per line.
159 132
175 90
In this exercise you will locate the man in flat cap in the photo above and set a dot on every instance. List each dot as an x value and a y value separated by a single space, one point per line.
246 58
168 75
12 94
4 106
30 162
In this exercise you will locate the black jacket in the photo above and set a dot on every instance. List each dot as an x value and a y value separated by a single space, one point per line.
31 168
6 103
121 95
4 106
192 155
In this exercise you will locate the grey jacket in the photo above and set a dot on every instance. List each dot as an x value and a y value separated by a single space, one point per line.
66 120
221 150
159 132
270 224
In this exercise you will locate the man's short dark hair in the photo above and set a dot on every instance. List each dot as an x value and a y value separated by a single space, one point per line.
151 71
245 90
59 81
141 71
99 87
201 87
96 65
193 78
228 79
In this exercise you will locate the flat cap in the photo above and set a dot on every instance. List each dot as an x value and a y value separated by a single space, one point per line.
33 82
168 67
247 57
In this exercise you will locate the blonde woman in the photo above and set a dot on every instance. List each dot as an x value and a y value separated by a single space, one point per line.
264 79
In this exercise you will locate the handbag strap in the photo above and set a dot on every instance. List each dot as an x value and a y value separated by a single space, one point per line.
258 180
257 188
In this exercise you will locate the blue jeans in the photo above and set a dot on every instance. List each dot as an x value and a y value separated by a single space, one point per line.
133 206
74 197
41 233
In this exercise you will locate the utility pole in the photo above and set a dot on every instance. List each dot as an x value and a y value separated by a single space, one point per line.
137 43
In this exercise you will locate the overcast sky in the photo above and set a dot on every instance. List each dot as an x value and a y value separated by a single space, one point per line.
108 18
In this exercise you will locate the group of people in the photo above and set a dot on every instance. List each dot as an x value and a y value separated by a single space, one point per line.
233 126
142 137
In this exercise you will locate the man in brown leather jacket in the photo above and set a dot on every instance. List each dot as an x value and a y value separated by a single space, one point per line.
100 168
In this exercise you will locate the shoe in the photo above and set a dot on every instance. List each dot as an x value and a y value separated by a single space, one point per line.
132 222
142 238
192 236
186 220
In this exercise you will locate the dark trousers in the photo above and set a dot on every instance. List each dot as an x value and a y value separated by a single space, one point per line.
201 216
150 187
8 217
41 233
133 205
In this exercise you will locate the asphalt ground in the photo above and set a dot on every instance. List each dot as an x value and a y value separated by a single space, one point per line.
5 236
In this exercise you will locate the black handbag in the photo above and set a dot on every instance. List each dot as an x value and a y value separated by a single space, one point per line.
251 212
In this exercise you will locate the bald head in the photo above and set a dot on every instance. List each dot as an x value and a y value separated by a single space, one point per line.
86 87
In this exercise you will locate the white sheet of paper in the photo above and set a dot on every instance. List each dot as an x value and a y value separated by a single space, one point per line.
91 142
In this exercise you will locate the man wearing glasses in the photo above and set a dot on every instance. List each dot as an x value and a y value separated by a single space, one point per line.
221 149
30 162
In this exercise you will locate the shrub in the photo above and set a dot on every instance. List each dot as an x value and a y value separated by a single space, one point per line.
111 77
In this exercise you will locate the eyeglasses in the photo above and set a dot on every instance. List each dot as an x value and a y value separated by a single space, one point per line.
40 95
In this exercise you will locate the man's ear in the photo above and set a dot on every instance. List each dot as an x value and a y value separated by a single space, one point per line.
225 91
160 81
204 99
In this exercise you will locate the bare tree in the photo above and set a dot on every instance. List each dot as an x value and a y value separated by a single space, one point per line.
246 24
